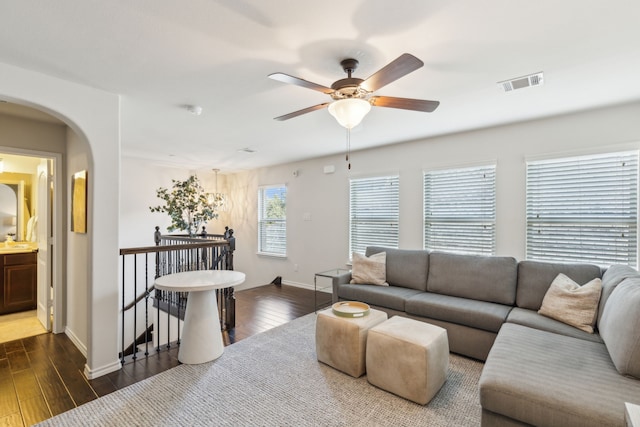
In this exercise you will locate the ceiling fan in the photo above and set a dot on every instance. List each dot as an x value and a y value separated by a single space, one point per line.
353 97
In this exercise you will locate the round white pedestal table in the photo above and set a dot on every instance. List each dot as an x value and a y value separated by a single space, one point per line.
201 336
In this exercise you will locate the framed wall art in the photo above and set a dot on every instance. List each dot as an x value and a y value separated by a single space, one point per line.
79 202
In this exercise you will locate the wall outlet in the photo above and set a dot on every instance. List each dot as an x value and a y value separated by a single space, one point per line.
295 267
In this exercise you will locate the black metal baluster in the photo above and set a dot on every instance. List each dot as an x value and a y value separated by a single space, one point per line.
135 307
123 305
169 298
146 304
171 260
158 302
178 317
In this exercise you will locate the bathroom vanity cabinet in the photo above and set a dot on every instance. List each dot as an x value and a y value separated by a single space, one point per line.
18 282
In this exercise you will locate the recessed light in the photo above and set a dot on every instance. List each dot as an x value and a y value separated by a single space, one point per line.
246 150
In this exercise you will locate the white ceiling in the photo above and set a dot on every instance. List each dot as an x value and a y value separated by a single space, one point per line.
160 55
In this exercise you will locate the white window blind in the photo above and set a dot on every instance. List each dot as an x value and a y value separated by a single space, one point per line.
460 210
374 213
584 209
272 220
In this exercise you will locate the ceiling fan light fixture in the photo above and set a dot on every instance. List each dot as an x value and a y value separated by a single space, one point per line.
349 112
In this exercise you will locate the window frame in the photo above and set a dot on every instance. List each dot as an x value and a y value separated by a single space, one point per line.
263 238
580 176
471 231
359 240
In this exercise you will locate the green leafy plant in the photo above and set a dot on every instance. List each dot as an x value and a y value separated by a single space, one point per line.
186 204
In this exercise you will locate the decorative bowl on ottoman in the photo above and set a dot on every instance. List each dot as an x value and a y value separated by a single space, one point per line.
408 358
350 309
341 342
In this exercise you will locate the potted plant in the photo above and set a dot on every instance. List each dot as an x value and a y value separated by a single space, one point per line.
187 205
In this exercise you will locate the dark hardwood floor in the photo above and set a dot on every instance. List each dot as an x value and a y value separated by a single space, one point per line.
42 376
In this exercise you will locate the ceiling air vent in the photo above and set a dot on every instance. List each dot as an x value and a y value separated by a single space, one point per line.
536 79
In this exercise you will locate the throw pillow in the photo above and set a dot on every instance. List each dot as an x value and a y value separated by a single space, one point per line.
571 303
369 270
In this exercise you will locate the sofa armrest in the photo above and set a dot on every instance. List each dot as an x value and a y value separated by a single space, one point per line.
336 282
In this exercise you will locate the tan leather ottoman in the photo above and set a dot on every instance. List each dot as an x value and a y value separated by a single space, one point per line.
341 342
408 358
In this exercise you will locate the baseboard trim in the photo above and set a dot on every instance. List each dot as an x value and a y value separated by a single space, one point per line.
76 341
305 286
104 370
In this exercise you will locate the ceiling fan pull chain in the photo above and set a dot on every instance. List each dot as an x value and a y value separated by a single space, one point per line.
348 147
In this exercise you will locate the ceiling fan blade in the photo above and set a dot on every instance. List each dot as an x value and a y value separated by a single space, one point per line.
404 103
285 78
301 112
399 67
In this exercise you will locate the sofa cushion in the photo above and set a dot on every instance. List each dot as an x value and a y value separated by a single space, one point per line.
382 296
369 270
571 303
462 311
535 277
542 378
483 278
532 319
620 327
405 267
612 278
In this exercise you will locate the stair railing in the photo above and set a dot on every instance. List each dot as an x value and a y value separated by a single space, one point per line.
172 254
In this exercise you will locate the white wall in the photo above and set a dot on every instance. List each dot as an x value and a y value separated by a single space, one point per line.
79 244
323 242
139 181
94 116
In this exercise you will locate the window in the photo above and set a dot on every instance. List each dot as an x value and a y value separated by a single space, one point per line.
272 220
374 213
583 209
460 210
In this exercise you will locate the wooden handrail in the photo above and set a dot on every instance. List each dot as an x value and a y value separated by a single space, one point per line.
140 298
149 249
192 238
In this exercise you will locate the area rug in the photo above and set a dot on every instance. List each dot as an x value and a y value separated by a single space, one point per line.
274 379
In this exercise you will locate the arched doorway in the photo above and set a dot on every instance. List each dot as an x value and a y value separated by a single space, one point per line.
39 209
92 143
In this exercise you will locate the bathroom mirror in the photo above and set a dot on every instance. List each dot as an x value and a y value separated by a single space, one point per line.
12 212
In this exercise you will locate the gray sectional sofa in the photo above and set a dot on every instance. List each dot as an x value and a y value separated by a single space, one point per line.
538 371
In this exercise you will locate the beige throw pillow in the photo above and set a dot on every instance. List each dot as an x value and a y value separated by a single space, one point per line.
372 270
571 303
